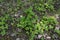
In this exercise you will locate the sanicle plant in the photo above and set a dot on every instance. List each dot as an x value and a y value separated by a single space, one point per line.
44 5
3 24
32 20
29 22
46 24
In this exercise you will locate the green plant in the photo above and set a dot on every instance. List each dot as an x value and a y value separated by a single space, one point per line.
3 24
29 22
44 5
1 0
57 31
46 24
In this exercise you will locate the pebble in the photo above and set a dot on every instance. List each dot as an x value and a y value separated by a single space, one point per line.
17 38
57 16
39 36
48 37
13 34
45 35
19 30
16 15
57 28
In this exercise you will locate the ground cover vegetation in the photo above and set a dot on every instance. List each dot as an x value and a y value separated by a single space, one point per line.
31 17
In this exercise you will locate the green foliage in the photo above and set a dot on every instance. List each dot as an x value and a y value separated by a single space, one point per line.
1 0
57 31
44 5
46 24
3 25
29 22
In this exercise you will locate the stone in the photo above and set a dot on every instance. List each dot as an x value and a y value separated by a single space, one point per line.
39 36
19 30
17 38
13 34
57 28
57 16
45 34
16 15
48 37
